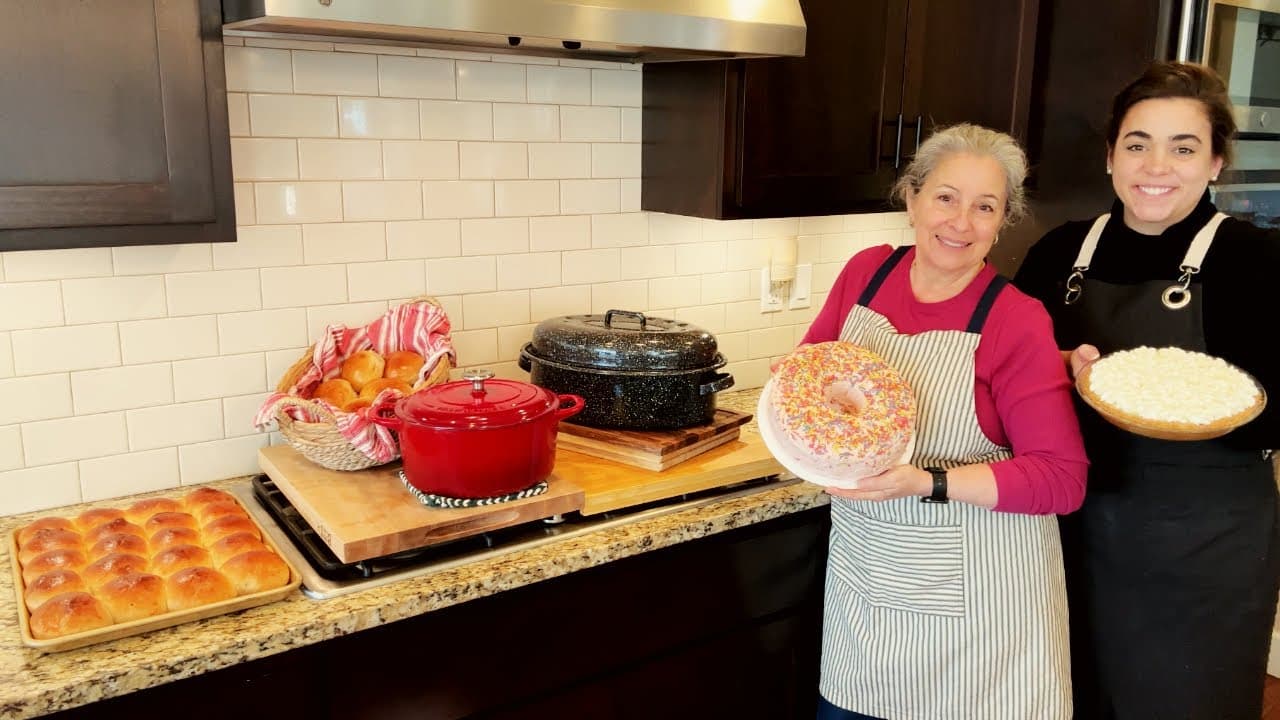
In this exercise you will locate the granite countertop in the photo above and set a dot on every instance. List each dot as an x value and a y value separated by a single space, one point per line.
33 683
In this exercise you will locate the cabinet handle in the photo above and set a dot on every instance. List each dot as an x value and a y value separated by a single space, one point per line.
897 145
919 126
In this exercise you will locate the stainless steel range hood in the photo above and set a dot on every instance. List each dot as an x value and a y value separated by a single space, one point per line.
618 30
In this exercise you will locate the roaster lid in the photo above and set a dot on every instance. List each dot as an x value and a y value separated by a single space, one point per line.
624 340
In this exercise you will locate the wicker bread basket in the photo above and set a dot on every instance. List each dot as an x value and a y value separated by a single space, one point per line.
321 442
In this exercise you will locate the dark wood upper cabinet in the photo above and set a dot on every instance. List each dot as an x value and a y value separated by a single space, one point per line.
828 133
113 128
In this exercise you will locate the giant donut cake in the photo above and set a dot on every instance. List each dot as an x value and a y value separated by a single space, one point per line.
846 409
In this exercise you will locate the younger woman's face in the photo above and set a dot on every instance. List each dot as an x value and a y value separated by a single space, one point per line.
1162 162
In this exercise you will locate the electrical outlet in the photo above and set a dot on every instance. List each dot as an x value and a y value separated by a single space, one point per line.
770 300
801 287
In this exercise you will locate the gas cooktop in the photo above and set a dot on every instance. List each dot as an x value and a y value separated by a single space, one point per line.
324 576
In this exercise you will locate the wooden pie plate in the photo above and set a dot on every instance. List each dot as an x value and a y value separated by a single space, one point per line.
1163 430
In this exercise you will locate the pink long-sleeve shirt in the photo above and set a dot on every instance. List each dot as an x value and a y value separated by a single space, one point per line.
1021 393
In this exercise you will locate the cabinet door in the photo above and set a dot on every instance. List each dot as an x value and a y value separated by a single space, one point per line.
114 121
818 133
968 61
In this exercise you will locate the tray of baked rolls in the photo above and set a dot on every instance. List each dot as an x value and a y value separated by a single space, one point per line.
111 572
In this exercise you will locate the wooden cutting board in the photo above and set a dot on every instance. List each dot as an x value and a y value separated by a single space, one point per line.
368 514
652 449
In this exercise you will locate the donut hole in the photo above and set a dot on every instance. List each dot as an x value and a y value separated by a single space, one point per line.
845 396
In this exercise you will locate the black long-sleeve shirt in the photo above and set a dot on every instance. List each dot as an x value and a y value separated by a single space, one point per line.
1239 279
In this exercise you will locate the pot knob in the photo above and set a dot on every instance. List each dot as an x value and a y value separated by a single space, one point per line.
477 377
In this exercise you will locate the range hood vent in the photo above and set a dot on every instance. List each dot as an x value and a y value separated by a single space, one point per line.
616 30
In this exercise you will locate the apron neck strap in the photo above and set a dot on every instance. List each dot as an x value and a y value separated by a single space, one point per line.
979 317
882 272
1200 244
1085 256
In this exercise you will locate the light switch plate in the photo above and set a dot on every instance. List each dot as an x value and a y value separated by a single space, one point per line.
801 288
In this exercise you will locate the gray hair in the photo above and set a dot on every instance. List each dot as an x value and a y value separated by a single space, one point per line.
974 140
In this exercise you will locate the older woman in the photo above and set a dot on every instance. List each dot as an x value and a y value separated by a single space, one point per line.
982 632
1174 561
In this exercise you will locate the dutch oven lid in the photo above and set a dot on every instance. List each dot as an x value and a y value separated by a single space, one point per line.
624 340
477 401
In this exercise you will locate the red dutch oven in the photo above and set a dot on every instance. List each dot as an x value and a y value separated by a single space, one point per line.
479 437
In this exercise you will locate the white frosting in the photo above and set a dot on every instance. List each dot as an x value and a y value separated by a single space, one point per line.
1172 385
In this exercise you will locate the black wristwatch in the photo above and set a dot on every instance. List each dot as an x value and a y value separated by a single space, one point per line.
939 486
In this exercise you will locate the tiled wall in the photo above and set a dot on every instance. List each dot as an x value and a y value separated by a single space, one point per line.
508 187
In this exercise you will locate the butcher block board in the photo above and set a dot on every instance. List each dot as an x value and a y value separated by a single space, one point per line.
652 449
609 485
370 513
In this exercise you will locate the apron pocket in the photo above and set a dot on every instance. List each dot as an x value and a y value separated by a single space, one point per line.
912 568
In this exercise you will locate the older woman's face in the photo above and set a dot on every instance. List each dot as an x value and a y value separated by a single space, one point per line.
958 211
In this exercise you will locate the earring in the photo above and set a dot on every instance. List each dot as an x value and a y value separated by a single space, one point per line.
911 222
997 240
1213 179
1108 169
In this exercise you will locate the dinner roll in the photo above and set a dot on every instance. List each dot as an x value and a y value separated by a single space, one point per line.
255 571
174 536
230 546
336 391
196 586
172 559
403 365
67 614
65 559
44 523
163 520
54 582
362 367
373 387
205 495
208 512
139 512
113 566
118 543
359 403
133 596
119 525
219 528
90 519
42 541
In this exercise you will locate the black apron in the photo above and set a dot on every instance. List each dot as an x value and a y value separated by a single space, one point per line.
1173 562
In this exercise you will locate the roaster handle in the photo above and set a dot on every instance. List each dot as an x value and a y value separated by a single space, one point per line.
608 317
721 381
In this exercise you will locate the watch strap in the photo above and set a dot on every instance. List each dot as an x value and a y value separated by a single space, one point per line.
939 494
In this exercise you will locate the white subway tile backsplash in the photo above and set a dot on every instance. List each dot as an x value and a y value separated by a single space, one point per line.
732 345
386 118
775 227
31 265
700 259
35 398
279 362
559 85
423 239
630 194
128 474
6 355
559 160
172 425
625 295
454 54
673 292
344 242
387 280
258 70
676 229
293 116
513 337
631 123
875 221
450 120
721 230
330 73
260 246
149 341
213 292
157 259
590 124
476 347
218 377
591 266
238 411
75 438
246 214
381 200
749 373
261 330
39 488
526 197
420 159
707 317
339 159
494 310
821 225
264 158
321 316
457 198
589 196
770 342
526 122
375 49
495 236
615 160
10 448
78 347
553 302
94 300
238 114
30 305
304 286
650 261
495 81
298 202
726 287
528 270
746 254
218 459
121 388
415 77
455 276
570 232
615 87
745 315
493 160
599 64
619 230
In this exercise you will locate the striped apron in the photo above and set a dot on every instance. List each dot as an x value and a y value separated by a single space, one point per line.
942 610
